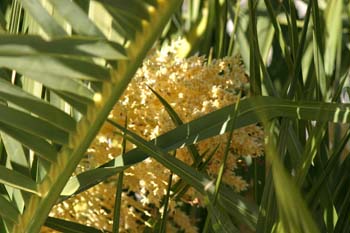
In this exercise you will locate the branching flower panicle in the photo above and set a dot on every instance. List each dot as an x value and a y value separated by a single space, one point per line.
193 88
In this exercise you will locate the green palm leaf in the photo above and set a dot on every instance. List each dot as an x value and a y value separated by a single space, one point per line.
251 110
17 180
79 70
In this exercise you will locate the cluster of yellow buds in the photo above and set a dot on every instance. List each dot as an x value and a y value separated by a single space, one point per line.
193 88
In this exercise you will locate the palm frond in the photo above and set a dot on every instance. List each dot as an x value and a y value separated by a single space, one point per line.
85 70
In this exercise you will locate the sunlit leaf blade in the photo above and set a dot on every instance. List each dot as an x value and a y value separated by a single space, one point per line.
199 181
298 65
278 32
310 151
37 106
91 177
288 197
57 67
177 121
164 217
214 213
7 210
119 190
64 84
19 199
318 51
265 32
37 144
118 203
85 180
40 14
334 34
13 147
69 227
23 121
58 82
75 46
249 110
17 180
77 18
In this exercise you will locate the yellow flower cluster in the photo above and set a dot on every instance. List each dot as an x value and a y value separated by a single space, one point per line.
193 88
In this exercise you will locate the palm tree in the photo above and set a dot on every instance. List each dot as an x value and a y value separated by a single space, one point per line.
66 63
